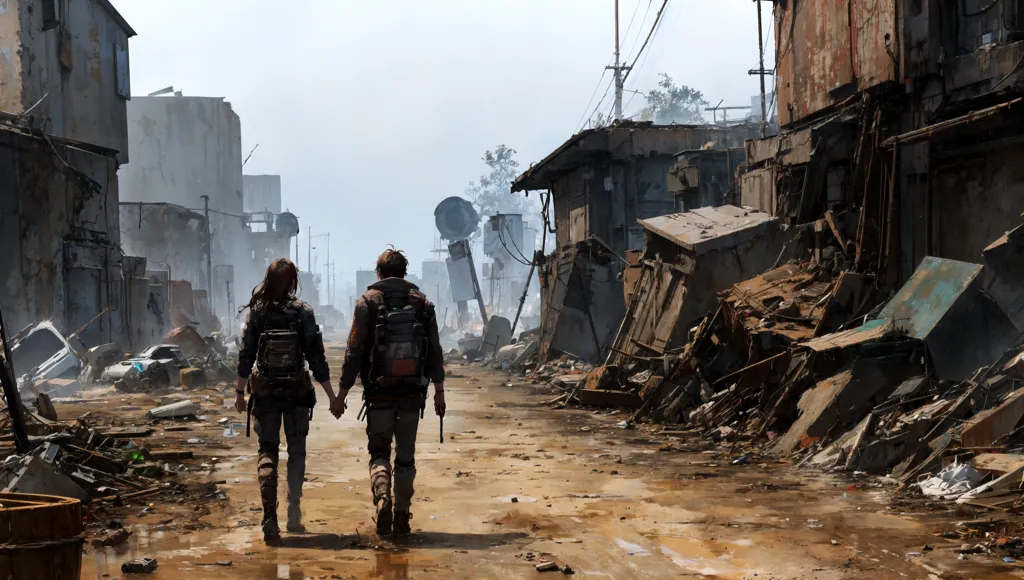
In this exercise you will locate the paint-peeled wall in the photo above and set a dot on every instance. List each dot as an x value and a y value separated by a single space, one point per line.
184 148
73 75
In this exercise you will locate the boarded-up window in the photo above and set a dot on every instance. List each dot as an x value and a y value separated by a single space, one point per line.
121 63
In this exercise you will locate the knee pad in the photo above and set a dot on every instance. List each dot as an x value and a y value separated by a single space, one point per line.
406 464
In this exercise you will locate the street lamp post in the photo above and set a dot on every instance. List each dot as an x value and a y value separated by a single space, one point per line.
310 251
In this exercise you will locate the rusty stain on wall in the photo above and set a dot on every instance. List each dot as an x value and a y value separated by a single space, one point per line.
829 49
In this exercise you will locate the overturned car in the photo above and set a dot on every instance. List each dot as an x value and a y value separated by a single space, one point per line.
159 363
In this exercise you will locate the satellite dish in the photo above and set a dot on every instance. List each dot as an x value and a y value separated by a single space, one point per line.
456 218
287 223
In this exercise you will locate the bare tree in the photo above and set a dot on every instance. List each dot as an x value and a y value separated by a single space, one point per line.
491 193
671 103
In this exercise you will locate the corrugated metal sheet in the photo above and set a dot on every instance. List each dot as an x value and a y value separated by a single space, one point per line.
825 45
710 228
929 295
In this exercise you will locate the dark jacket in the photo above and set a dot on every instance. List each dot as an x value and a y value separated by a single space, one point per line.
283 317
364 323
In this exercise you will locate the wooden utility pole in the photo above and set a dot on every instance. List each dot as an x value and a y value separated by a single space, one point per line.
761 71
618 69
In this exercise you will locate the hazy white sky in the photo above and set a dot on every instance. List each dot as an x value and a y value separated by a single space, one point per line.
372 112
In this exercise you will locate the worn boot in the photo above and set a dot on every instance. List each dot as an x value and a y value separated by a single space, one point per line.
400 527
268 493
380 482
384 517
294 525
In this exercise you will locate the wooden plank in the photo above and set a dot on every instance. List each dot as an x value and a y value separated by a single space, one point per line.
997 463
988 426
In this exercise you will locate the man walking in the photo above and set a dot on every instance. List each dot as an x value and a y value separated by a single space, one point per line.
394 349
280 331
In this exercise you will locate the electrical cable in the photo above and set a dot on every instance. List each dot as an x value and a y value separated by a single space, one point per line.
501 239
642 22
633 17
515 245
657 21
583 117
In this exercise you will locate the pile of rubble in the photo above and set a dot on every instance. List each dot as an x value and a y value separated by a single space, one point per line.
816 359
50 363
100 464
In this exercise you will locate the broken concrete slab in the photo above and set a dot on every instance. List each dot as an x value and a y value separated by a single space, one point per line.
36 476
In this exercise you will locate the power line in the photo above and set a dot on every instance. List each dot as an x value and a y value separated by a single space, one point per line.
654 28
633 17
597 87
646 13
599 103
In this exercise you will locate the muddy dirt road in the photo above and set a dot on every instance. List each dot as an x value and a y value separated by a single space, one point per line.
515 483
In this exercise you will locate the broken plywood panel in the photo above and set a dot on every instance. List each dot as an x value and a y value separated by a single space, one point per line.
988 426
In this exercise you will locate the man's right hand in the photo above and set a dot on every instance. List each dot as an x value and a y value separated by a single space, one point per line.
439 406
240 402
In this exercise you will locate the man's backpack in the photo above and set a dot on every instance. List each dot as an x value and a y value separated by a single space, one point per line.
400 345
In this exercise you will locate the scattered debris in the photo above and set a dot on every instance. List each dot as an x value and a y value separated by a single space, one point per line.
139 566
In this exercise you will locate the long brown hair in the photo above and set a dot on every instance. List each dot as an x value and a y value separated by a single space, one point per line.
279 284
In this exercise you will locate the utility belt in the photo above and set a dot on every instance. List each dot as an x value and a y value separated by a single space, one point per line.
384 393
275 391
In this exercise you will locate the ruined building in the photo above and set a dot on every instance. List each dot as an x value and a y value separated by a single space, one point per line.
270 230
905 132
184 148
64 88
600 183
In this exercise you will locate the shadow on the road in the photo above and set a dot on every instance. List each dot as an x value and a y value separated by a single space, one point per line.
458 541
422 540
326 542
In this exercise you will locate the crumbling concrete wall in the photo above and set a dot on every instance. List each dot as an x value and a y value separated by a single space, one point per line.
167 236
59 228
261 193
977 198
184 148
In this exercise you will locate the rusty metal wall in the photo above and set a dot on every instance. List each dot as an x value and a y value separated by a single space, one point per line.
828 49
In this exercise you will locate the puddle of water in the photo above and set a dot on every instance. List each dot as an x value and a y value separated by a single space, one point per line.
632 549
697 566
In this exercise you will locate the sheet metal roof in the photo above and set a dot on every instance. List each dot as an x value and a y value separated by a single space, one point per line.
929 295
710 228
